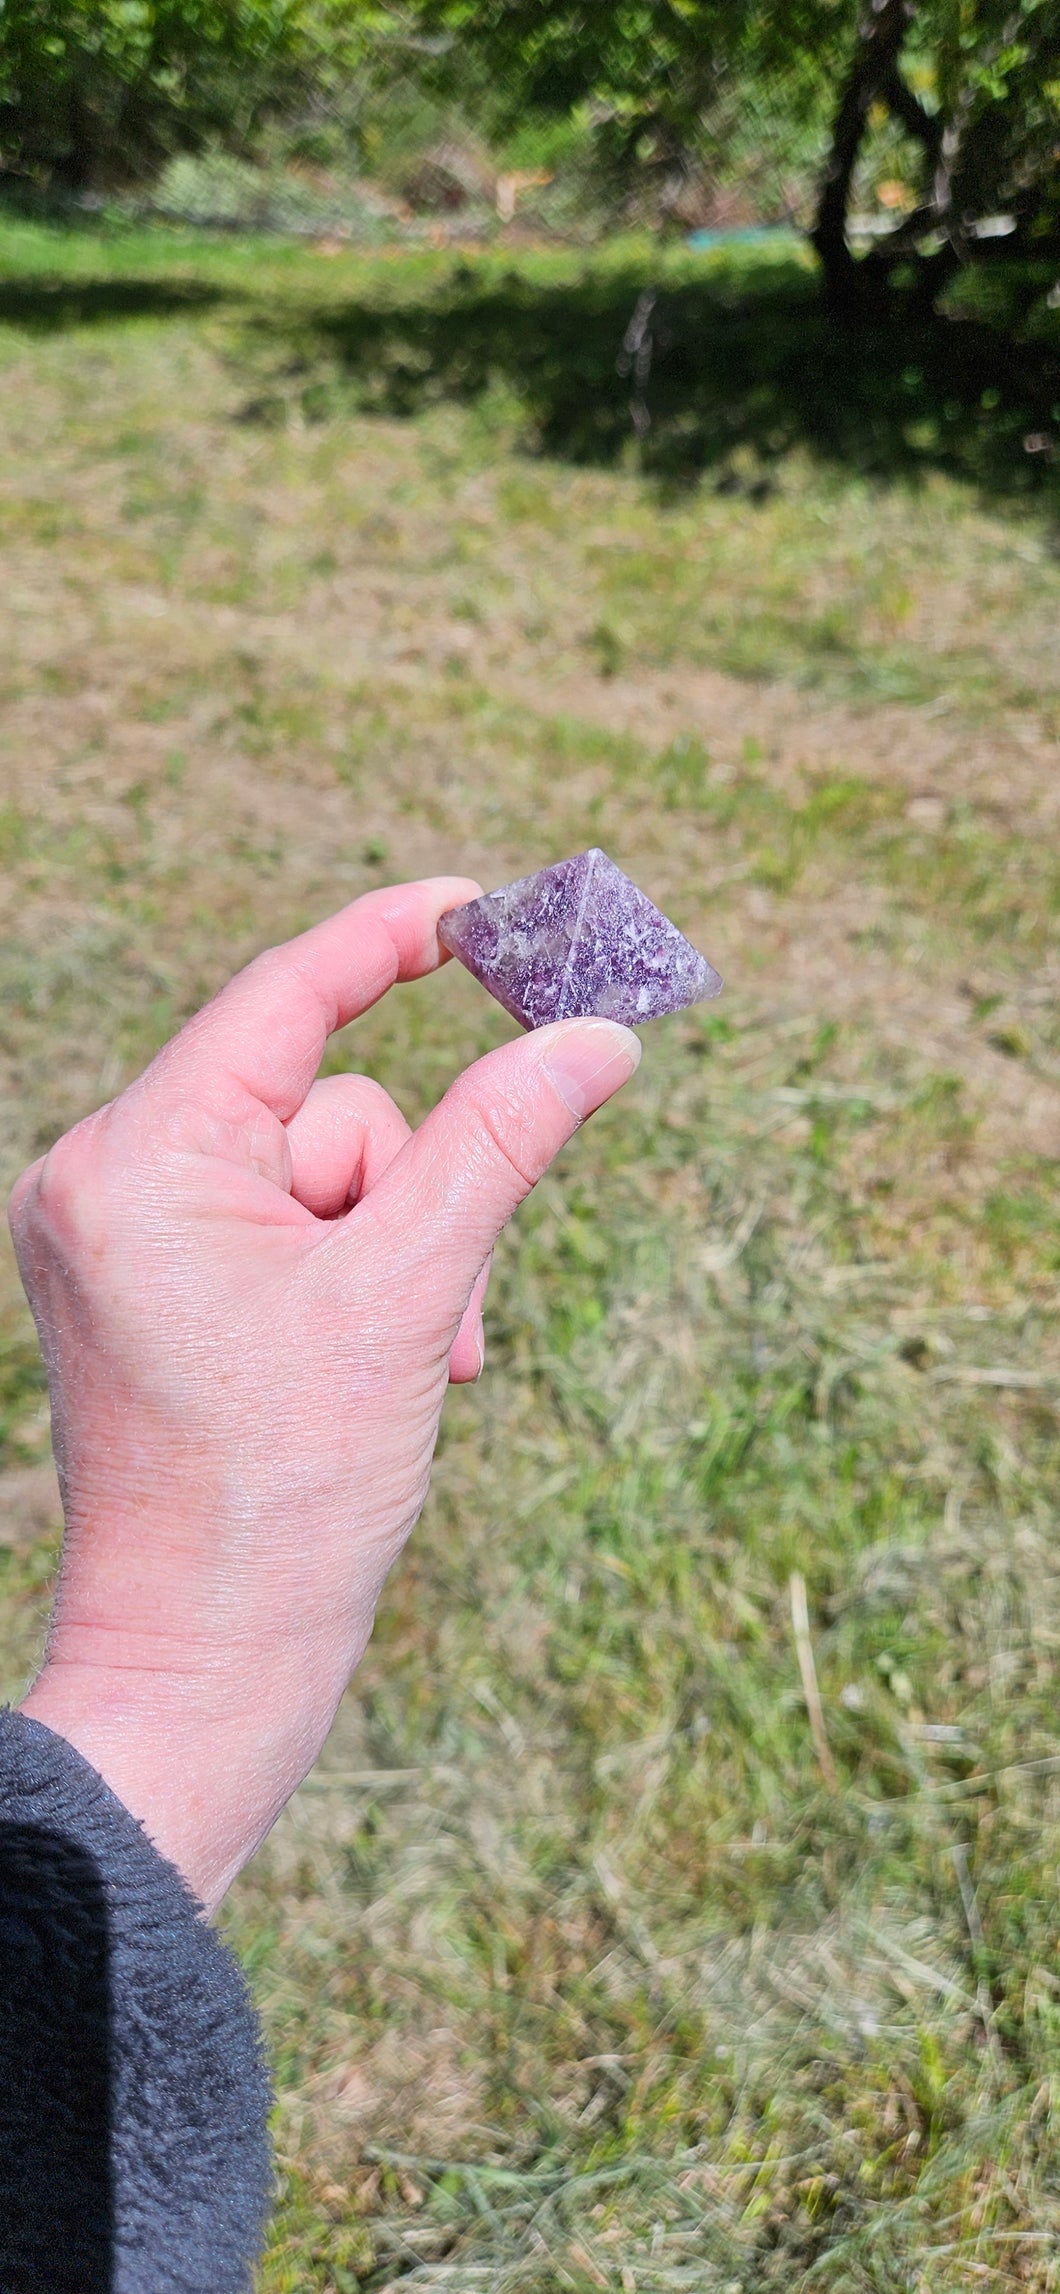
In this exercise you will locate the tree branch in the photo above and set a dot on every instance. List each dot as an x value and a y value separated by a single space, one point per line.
883 30
907 107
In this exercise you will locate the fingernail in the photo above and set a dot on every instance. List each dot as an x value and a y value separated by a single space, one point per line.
480 1341
591 1060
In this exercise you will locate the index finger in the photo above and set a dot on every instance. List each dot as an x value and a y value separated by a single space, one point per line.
262 1037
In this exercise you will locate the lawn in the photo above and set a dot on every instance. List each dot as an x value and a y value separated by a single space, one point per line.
641 1928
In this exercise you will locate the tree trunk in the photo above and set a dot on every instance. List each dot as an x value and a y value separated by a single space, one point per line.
883 30
73 169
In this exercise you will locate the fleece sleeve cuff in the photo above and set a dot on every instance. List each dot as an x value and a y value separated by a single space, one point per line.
133 2093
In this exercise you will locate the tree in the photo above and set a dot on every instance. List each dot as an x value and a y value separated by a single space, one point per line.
659 79
963 95
98 91
971 89
984 134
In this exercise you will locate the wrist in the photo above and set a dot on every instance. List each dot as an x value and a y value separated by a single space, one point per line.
204 1764
153 1761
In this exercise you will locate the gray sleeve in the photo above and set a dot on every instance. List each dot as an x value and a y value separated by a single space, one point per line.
134 2155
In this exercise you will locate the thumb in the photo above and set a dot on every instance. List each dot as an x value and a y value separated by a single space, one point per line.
457 1181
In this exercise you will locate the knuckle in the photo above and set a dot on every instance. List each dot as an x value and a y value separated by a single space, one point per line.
20 1201
66 1198
358 1096
372 1095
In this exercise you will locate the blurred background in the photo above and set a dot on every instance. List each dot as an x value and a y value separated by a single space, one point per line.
441 437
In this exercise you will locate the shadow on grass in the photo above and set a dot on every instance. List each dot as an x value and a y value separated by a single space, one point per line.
48 306
745 364
739 361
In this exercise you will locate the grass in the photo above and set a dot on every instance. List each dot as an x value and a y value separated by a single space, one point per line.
578 1968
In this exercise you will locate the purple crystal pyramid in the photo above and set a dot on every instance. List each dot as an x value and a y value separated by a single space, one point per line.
574 940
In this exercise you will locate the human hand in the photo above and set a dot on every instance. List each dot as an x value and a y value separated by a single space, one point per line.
251 1290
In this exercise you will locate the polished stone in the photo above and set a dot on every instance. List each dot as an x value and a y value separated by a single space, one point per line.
578 939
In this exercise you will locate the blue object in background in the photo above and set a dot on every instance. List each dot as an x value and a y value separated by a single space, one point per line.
751 235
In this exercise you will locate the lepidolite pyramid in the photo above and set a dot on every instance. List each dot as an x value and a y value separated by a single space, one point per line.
578 939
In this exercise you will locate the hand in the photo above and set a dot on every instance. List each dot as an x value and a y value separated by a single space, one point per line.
251 1290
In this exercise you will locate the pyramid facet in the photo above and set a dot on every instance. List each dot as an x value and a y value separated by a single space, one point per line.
577 939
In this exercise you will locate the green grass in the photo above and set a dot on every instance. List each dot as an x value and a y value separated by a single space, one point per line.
578 1969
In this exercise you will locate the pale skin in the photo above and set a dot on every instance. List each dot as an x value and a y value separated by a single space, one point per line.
252 1287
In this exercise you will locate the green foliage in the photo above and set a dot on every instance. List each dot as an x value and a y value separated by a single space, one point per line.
971 98
662 85
96 91
940 118
967 98
644 66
